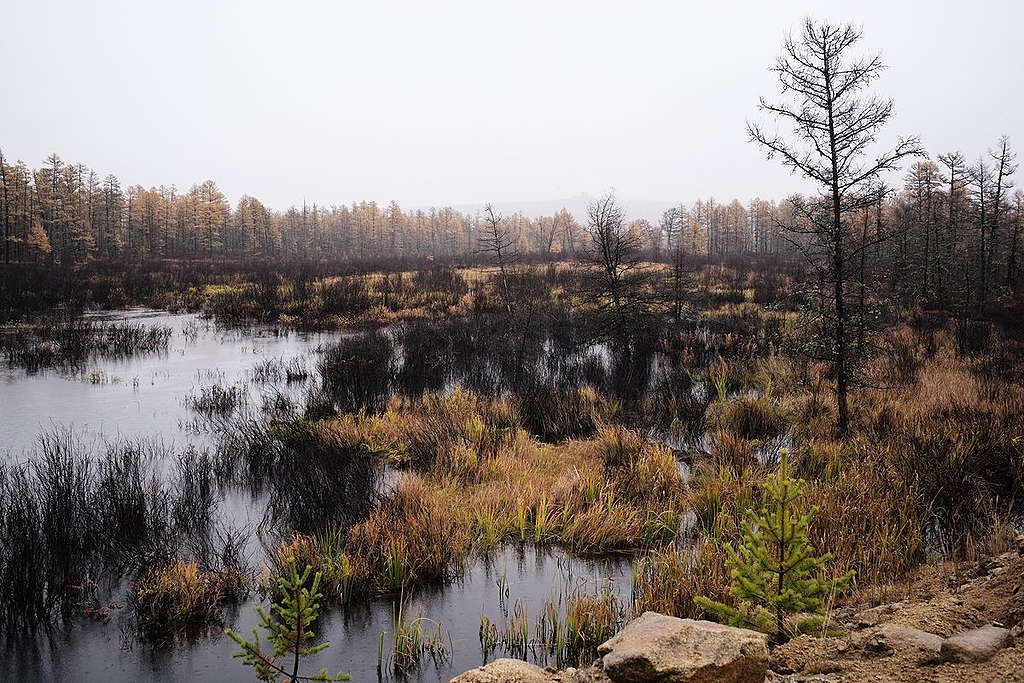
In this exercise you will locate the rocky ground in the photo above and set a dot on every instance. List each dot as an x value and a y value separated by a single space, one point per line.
889 642
949 623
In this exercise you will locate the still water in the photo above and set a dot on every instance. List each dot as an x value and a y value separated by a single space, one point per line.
147 396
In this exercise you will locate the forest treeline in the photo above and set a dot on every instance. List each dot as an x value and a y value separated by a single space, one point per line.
67 213
952 232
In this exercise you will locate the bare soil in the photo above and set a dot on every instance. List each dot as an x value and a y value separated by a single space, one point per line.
944 600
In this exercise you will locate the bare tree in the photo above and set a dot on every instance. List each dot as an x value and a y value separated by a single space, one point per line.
1005 167
670 227
677 279
497 240
614 280
1011 263
956 193
7 212
834 124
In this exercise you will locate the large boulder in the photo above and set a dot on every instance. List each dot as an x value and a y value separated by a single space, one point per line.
975 645
655 647
505 671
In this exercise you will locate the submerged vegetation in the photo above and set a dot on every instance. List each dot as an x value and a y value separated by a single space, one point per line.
71 341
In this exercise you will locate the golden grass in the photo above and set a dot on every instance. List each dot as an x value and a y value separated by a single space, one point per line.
180 597
748 417
476 480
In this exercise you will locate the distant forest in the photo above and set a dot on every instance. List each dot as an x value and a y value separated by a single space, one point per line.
953 229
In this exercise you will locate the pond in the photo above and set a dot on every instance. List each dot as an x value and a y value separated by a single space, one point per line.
154 397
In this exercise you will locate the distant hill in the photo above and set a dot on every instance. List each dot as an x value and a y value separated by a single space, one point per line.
634 208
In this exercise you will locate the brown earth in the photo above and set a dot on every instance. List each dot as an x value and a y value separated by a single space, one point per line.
944 600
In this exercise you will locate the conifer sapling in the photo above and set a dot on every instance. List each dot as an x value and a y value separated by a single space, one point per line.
289 633
774 572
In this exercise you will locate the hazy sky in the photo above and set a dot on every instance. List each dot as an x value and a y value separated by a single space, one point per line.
435 102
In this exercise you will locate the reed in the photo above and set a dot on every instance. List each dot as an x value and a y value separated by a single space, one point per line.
412 639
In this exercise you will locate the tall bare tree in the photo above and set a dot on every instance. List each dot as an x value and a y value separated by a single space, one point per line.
1005 166
834 124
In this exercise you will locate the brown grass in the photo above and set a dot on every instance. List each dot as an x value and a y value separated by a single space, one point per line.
180 598
477 481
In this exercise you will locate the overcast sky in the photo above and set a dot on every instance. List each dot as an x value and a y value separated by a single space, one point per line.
463 102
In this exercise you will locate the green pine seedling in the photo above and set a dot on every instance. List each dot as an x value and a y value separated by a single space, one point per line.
774 573
289 634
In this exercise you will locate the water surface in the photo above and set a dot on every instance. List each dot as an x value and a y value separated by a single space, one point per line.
146 397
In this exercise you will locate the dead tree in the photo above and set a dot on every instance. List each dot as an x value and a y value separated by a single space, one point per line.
498 242
834 123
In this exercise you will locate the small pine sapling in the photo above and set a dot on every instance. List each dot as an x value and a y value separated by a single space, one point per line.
774 573
289 633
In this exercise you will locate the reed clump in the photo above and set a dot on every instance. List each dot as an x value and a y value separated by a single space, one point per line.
69 341
179 598
748 417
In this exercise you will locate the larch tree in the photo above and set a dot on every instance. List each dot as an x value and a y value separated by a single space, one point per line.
834 124
955 177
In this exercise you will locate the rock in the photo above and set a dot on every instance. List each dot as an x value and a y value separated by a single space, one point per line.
590 674
896 638
1018 542
870 617
975 645
504 671
655 647
828 667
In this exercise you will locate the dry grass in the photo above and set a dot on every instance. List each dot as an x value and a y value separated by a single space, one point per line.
748 417
181 598
668 580
930 471
476 480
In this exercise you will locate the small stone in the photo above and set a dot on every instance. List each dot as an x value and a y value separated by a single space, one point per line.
843 614
827 667
896 638
869 617
975 645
